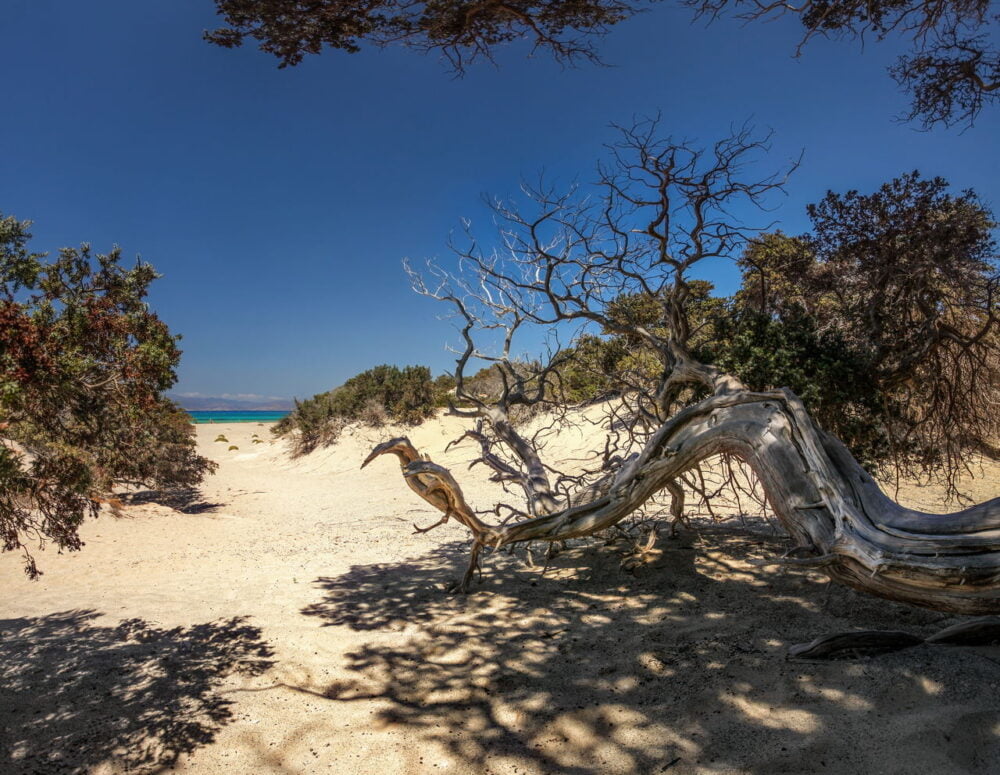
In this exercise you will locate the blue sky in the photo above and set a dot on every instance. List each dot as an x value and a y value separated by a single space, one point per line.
278 204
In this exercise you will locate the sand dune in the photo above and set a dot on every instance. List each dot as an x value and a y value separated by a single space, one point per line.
285 619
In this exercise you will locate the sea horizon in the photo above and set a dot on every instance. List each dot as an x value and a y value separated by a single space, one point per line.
236 415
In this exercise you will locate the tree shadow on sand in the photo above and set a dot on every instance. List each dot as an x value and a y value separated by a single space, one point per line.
187 500
681 668
74 694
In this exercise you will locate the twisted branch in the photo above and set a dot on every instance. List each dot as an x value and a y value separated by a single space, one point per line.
821 495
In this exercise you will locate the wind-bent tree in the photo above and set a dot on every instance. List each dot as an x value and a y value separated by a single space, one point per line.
660 210
83 367
952 71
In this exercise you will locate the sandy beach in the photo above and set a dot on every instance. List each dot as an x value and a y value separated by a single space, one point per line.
286 619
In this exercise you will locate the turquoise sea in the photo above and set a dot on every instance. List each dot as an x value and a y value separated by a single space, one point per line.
264 417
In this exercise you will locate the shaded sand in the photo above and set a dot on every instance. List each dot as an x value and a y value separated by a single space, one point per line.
285 619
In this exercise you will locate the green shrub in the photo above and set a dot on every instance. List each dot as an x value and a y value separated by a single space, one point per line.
835 380
377 396
84 365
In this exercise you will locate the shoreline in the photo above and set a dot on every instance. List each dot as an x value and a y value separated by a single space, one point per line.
234 417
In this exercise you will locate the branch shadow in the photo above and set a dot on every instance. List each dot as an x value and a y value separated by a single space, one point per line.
680 668
74 694
187 500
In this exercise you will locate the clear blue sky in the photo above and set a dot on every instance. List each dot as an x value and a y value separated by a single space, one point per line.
278 204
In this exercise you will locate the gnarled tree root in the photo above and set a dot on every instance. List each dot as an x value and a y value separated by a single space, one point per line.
831 507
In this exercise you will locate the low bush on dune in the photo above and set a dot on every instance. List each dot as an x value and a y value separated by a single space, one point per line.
376 397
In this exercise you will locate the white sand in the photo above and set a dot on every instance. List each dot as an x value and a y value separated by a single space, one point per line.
349 657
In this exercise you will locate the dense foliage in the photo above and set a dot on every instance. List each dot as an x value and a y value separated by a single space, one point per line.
384 393
832 378
83 367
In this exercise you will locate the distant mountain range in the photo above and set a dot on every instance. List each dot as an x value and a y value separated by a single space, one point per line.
214 404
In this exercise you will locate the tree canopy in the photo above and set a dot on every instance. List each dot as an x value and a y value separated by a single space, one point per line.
951 72
463 31
952 69
84 363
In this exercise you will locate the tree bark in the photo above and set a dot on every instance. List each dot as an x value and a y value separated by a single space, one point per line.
832 508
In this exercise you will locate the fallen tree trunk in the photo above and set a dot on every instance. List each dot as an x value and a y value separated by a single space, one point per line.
830 506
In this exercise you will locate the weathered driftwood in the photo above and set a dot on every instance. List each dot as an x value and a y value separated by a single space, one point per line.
831 507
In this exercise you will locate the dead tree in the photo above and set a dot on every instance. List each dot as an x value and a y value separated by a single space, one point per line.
665 207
